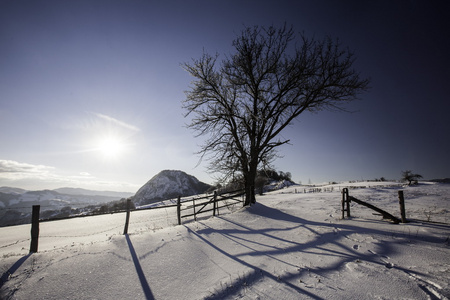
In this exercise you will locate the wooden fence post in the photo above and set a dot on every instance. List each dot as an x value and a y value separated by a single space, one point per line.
348 205
193 205
125 230
214 203
179 210
401 201
35 228
345 203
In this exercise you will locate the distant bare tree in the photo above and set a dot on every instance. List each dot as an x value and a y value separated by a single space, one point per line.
409 176
244 102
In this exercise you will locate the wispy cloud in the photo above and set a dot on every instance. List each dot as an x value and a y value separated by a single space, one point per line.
18 172
38 177
117 122
10 166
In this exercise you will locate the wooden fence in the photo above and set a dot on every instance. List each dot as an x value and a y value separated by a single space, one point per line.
186 207
194 206
190 207
346 199
201 205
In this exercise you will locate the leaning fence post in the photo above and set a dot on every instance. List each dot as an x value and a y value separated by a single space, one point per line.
401 201
35 228
214 203
179 210
125 230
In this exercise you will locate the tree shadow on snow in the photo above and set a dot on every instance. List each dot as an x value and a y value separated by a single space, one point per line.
145 286
323 244
247 279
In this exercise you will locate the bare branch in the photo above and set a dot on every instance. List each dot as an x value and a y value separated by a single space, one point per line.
246 101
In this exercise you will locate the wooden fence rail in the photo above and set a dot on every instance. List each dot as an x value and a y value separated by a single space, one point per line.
346 199
207 204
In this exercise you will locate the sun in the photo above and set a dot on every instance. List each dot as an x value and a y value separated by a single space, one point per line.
111 147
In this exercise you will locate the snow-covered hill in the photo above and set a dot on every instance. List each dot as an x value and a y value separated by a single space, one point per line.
79 191
169 184
16 204
11 190
289 245
55 198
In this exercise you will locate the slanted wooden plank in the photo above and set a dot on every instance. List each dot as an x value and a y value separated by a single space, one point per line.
385 214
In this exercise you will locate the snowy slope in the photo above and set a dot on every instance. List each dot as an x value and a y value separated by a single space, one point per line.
51 198
79 191
169 184
287 246
16 208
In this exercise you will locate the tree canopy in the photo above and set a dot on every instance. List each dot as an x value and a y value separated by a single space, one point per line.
411 177
243 102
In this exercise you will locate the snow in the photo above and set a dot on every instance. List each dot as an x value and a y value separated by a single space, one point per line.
169 184
13 202
287 246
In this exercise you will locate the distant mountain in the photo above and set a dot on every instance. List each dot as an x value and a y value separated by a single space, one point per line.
169 184
16 204
11 190
49 198
78 191
442 180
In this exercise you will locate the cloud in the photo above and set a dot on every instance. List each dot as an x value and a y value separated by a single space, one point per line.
38 177
10 166
13 172
117 122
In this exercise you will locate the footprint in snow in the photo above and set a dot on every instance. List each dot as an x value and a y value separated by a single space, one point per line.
387 264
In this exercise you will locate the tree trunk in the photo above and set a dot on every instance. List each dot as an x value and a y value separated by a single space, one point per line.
250 178
248 193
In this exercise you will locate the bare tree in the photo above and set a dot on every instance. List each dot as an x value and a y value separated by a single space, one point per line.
243 103
409 176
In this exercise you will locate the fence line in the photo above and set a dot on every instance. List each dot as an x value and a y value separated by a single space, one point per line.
15 243
36 221
213 201
81 235
188 207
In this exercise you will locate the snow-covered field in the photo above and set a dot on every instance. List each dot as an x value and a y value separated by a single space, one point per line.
287 246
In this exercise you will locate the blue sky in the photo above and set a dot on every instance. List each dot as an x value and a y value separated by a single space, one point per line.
91 91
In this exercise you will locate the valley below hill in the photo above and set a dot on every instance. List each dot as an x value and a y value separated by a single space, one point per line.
16 204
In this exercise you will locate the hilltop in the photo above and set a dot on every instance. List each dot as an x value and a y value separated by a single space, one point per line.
169 184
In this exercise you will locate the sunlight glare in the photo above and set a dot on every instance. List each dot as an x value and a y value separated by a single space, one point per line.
111 147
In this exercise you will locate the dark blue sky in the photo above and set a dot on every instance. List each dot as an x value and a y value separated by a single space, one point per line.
77 77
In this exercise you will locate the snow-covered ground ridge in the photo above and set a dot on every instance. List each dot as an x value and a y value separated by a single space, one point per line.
289 245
